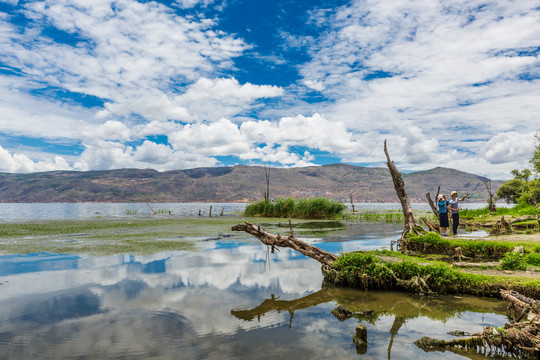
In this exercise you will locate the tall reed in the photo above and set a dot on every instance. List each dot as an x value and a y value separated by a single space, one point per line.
318 208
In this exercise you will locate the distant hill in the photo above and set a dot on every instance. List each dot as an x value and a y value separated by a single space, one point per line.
232 184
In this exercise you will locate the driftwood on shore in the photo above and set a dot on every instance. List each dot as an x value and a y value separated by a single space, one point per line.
521 337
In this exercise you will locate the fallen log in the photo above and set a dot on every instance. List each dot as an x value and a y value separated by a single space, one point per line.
430 225
324 257
521 218
520 338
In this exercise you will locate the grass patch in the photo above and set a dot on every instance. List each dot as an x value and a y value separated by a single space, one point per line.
366 270
518 210
392 216
434 244
533 259
319 208
513 261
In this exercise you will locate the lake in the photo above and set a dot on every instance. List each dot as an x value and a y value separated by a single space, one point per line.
229 299
17 212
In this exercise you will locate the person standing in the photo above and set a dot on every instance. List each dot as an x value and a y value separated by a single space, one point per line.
443 215
453 206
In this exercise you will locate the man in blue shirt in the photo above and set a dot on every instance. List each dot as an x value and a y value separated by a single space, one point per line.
453 206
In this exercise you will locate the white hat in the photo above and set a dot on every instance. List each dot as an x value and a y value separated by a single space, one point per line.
453 192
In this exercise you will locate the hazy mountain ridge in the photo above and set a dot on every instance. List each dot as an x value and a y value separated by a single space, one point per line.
235 183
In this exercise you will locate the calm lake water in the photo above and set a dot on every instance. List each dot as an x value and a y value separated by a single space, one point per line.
67 211
232 299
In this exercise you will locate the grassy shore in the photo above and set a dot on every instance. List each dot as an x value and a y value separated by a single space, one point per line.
394 270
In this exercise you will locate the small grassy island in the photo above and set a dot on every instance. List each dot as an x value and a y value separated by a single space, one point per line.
318 208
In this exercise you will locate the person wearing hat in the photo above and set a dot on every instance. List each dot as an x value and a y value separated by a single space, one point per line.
453 206
443 214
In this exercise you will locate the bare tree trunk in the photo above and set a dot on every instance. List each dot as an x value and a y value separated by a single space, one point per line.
432 203
501 227
351 200
411 225
154 211
267 175
324 257
491 199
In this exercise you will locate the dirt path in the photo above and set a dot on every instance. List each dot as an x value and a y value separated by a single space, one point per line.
508 273
533 238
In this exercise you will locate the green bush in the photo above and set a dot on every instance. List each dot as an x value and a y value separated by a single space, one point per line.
533 259
513 261
318 208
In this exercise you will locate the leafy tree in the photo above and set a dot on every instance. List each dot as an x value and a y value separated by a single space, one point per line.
513 189
523 175
535 158
524 187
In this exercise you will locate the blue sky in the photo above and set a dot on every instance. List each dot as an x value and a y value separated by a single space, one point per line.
102 84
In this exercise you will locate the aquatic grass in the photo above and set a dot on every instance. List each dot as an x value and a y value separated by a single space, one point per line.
101 247
318 208
107 236
390 216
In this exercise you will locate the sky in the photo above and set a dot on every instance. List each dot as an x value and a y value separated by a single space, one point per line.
104 84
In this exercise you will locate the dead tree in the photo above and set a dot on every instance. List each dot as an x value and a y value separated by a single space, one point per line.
324 257
154 211
432 203
411 225
351 200
491 199
267 176
501 227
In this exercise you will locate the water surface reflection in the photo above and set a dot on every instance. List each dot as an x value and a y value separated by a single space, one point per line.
230 300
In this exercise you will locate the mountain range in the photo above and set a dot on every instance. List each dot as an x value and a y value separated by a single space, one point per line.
239 183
